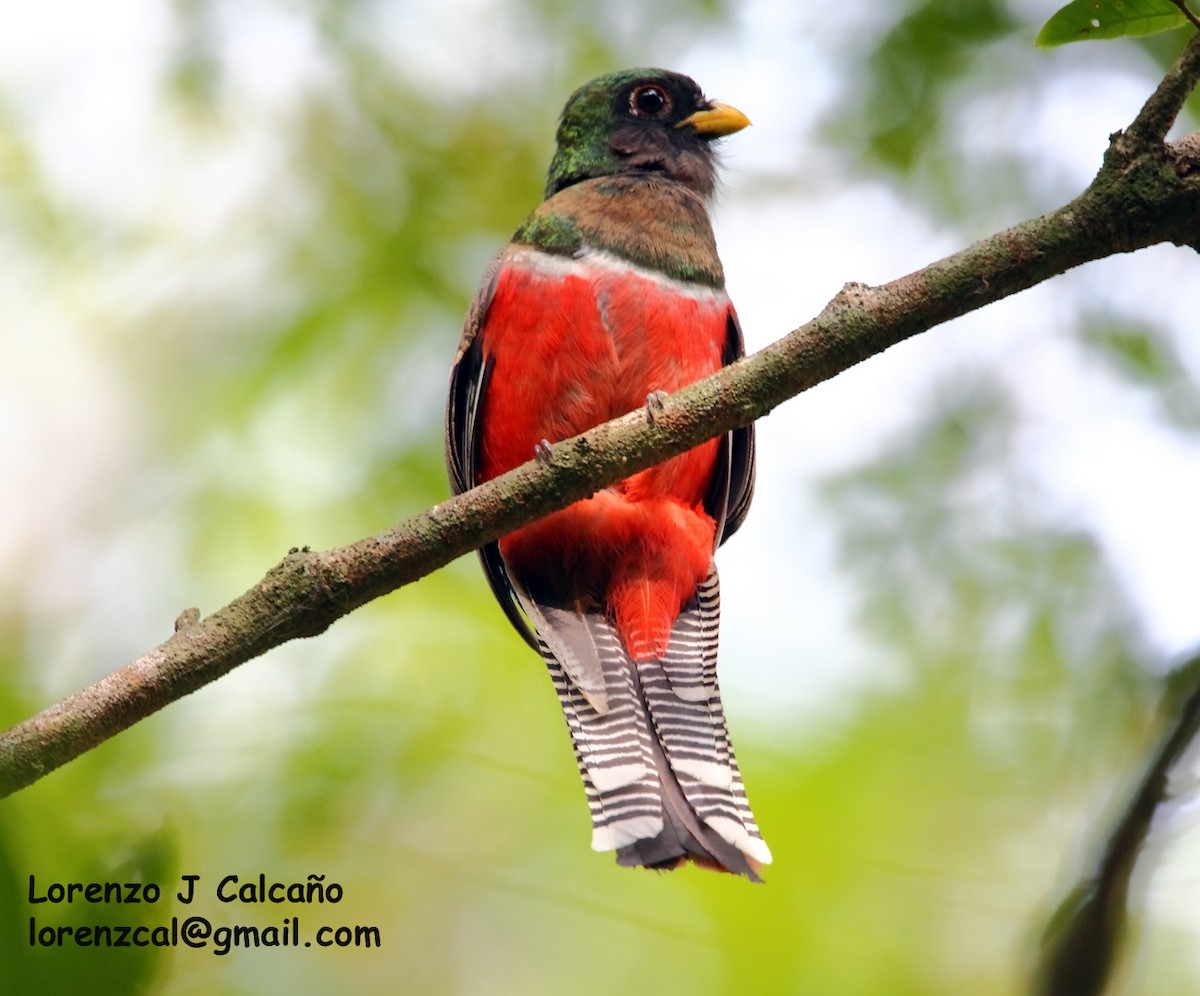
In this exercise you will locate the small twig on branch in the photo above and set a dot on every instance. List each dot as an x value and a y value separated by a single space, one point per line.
1157 115
1187 11
1133 202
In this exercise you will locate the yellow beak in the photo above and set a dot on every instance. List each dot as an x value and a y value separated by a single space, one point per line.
716 120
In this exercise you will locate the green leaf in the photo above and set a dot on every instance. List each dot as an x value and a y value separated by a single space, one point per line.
1082 20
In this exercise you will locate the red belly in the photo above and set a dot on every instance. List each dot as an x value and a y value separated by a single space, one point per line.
569 352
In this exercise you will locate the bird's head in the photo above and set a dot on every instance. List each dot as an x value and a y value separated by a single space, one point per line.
641 121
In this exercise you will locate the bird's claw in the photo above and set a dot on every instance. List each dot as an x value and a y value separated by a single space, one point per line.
543 451
654 403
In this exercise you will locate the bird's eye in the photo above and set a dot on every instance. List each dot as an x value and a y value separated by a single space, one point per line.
649 101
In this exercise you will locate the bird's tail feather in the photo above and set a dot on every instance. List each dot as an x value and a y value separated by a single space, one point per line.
661 779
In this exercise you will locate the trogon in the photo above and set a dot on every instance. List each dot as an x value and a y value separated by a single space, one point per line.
609 293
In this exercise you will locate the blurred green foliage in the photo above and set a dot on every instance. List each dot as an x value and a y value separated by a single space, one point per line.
286 379
909 70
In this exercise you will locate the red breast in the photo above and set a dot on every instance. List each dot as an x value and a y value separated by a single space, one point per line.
575 342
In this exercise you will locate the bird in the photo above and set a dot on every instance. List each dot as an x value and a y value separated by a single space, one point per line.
609 295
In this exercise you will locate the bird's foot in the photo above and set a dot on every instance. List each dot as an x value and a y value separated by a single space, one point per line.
543 451
654 403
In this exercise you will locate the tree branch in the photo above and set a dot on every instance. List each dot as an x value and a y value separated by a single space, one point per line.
1187 11
1157 115
1145 193
1080 946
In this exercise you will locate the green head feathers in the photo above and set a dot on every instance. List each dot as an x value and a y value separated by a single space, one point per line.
640 121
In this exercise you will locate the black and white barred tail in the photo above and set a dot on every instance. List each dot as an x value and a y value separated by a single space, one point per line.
650 737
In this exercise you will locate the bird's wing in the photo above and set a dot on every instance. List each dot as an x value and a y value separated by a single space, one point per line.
732 487
468 383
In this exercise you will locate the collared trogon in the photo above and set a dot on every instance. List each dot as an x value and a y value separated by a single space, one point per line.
609 293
